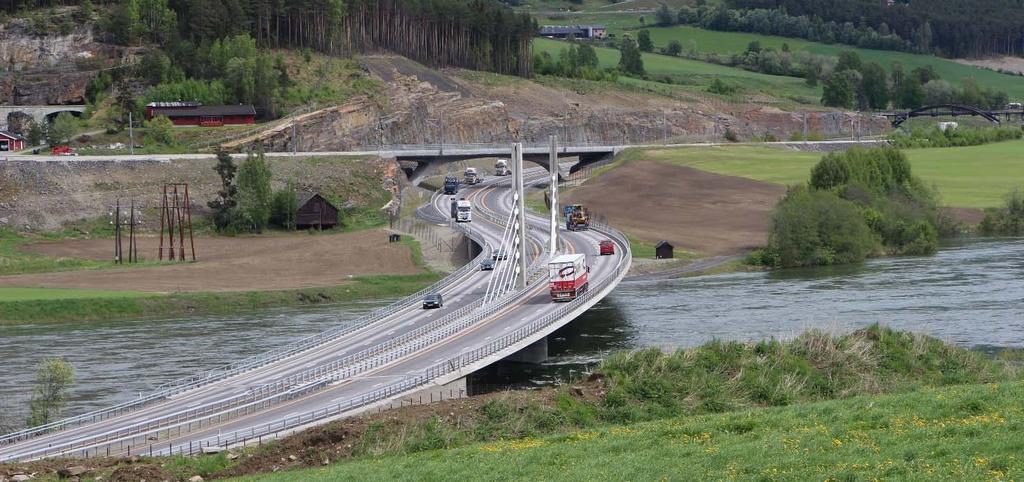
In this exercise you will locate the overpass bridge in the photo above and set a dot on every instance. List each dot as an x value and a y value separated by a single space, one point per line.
398 353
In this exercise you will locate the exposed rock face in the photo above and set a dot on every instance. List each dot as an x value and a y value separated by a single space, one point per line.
45 88
422 106
22 49
19 122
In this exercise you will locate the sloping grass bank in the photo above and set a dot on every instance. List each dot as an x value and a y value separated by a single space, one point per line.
62 308
699 413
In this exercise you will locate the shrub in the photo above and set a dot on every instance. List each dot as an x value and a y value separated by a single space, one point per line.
730 135
813 227
159 130
957 137
1007 220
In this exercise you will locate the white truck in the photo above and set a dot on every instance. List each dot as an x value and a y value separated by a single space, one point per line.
464 211
470 177
501 168
568 277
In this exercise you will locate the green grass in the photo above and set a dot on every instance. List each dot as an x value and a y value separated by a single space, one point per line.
699 74
137 305
15 261
727 43
701 414
974 177
52 294
959 433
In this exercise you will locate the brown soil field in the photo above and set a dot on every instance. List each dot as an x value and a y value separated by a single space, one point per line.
242 263
694 210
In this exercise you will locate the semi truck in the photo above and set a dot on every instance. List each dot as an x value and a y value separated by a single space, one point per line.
471 177
501 168
567 275
451 185
464 211
576 217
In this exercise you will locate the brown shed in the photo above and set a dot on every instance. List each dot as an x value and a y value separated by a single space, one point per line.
315 212
663 250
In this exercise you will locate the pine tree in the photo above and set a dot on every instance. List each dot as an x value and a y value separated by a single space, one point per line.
630 60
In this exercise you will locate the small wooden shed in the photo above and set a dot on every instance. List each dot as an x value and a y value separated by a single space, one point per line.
314 211
663 250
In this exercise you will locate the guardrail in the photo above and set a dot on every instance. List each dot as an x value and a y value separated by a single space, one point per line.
242 437
187 383
313 378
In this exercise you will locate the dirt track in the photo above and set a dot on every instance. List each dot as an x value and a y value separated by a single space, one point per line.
692 209
244 263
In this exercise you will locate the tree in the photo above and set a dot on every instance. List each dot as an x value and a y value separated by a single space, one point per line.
875 86
155 67
125 103
841 89
911 94
848 60
643 40
630 60
159 130
227 198
674 48
664 16
53 378
254 194
36 134
938 92
61 130
283 209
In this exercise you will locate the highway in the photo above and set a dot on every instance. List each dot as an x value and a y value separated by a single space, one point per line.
402 352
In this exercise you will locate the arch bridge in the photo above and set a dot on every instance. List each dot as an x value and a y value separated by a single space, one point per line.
950 110
39 113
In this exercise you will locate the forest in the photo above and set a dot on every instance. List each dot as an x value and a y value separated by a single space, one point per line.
953 28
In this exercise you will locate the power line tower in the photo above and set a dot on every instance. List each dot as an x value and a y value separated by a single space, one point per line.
176 218
119 219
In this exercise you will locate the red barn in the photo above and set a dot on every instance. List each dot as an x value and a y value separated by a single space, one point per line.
196 114
10 141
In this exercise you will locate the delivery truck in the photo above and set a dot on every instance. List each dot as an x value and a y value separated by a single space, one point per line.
567 275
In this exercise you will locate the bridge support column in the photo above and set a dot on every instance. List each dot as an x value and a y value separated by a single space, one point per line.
536 352
553 169
519 206
421 171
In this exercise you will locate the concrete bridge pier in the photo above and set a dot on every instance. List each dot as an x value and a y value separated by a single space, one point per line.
535 353
587 160
424 168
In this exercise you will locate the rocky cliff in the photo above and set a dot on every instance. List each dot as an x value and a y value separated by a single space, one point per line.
423 106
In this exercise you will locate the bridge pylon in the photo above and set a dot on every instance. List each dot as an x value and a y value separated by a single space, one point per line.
519 208
553 167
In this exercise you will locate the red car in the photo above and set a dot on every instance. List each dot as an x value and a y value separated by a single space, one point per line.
607 247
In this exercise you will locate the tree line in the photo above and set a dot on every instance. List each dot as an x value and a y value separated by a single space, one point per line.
954 28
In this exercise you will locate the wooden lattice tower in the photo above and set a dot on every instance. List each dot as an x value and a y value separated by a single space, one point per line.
119 219
176 220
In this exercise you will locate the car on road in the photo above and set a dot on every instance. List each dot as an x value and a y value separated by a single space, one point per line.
433 301
500 254
607 247
487 265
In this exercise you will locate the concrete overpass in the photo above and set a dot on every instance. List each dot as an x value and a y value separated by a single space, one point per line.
39 113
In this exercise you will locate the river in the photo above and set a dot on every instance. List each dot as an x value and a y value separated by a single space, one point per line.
971 293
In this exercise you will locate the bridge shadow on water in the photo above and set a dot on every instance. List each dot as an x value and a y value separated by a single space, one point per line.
572 351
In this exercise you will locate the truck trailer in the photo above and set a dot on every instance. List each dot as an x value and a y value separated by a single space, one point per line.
567 275
464 211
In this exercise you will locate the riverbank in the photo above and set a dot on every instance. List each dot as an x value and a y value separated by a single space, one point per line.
703 407
56 306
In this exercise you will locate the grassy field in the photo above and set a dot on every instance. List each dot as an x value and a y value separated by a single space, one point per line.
32 307
725 43
700 74
960 433
975 177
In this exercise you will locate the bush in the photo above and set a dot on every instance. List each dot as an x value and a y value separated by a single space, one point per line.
159 130
1005 221
957 137
730 135
282 208
813 227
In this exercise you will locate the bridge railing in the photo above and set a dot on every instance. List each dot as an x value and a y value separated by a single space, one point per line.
188 383
452 365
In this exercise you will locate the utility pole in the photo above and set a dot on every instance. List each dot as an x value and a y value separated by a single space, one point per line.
519 207
553 166
131 138
294 147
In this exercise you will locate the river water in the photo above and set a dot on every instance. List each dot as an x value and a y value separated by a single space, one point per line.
970 293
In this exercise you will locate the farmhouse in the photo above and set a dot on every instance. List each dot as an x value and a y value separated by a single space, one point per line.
196 114
10 141
577 31
315 212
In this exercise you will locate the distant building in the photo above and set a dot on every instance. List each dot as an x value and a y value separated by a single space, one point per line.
315 212
663 250
577 31
10 141
196 114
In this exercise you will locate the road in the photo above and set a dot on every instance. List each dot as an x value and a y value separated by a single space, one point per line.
395 348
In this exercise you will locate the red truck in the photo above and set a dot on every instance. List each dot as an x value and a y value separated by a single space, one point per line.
62 151
568 276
